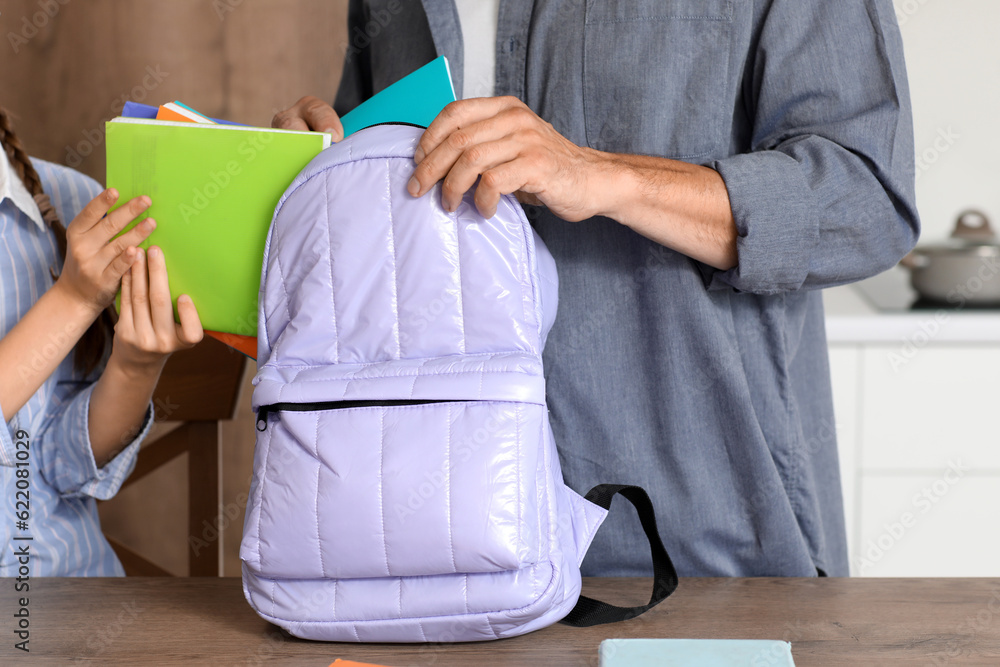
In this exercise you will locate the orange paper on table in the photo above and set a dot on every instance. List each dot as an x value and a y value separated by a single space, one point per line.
350 663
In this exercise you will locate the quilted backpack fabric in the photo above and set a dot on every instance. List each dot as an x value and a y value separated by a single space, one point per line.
406 486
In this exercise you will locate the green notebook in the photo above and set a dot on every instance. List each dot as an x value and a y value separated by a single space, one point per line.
214 189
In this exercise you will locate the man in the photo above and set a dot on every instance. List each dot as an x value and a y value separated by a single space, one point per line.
699 169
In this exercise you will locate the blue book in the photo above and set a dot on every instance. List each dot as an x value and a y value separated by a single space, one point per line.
417 98
695 653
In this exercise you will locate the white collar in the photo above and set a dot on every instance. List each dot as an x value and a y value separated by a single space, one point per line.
12 188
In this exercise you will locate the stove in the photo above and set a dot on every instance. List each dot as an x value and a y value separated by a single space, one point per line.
890 292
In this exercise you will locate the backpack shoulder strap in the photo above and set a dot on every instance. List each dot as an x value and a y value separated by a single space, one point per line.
588 611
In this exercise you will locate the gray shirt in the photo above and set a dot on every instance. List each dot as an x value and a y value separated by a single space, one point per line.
709 388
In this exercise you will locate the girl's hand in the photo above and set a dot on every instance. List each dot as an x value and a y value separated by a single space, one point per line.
146 333
95 263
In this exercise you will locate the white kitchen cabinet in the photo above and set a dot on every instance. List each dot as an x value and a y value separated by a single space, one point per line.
844 364
940 405
929 525
920 456
917 402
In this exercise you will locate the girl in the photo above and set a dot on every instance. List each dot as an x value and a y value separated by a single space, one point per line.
71 438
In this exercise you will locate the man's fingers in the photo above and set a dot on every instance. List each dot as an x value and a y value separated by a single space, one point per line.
189 331
529 198
495 182
470 164
289 120
440 161
310 114
460 114
160 304
321 117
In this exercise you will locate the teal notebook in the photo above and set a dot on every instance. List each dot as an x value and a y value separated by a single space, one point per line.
695 653
416 98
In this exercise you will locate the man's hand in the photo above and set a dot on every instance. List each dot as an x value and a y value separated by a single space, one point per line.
505 145
310 114
511 150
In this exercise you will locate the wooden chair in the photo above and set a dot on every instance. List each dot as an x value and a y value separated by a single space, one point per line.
199 388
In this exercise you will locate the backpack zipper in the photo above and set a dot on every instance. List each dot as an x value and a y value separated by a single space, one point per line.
264 410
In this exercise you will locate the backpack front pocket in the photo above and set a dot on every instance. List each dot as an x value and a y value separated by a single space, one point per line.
395 488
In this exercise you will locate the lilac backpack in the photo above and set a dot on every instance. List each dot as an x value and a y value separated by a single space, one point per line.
406 486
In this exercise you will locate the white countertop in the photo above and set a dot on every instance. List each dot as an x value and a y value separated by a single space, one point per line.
851 318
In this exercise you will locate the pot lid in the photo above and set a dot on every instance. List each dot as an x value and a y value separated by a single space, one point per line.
972 235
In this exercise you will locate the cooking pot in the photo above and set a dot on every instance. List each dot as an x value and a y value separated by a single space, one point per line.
963 270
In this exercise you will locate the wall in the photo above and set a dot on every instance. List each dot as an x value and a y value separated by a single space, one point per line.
954 69
238 59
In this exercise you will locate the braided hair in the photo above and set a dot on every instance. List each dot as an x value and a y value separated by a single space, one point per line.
90 349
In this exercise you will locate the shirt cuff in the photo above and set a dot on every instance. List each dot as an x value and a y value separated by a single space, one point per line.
777 225
7 451
76 471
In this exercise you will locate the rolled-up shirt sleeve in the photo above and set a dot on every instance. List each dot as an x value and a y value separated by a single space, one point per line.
7 456
8 463
826 194
67 458
7 451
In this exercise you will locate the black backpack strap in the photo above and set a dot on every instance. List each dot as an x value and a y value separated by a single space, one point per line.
588 611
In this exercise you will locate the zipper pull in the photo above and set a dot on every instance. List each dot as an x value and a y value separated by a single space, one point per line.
262 418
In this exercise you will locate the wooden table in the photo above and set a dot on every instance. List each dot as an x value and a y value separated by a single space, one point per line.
829 622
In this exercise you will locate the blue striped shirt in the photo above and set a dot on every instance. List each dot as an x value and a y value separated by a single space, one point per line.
64 481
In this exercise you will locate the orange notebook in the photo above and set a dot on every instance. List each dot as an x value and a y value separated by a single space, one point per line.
180 112
245 344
